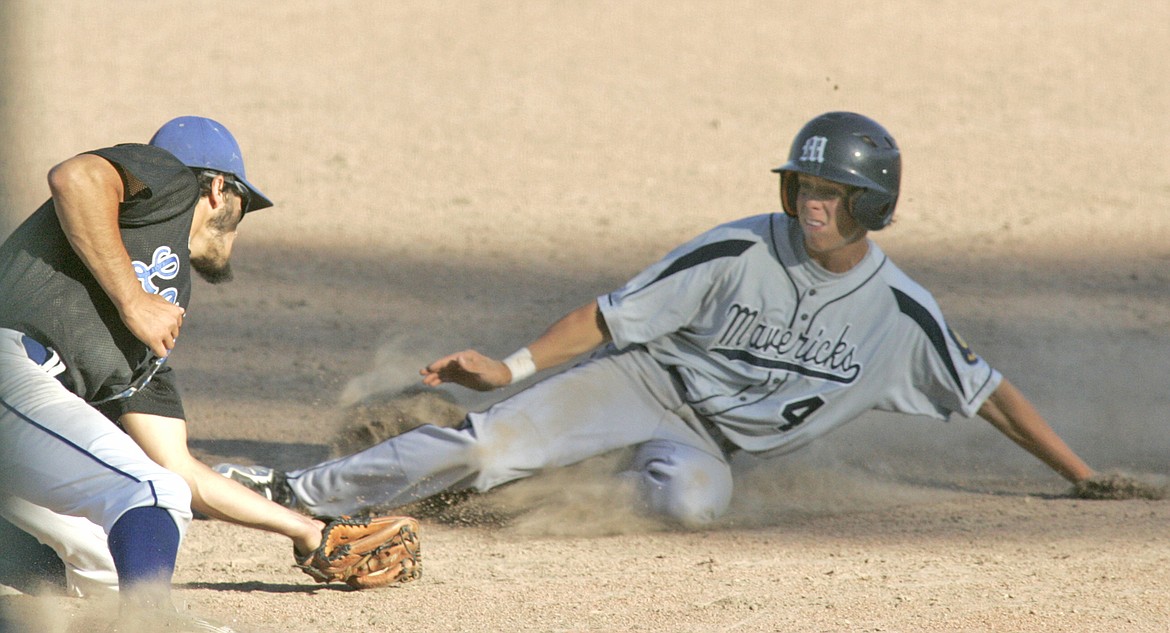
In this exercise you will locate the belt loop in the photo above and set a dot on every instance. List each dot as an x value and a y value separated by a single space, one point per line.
35 351
727 446
44 356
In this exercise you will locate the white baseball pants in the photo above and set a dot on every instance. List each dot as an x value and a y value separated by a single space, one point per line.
61 454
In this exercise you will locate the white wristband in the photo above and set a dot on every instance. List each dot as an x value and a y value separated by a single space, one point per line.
520 364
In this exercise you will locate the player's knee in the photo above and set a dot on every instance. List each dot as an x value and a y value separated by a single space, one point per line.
172 493
157 487
694 510
690 497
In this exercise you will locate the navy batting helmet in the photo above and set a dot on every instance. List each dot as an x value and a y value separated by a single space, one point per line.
853 150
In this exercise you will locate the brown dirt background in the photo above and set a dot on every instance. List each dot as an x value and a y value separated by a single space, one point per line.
452 174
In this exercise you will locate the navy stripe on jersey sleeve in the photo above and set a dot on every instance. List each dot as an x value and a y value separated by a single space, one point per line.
728 248
931 327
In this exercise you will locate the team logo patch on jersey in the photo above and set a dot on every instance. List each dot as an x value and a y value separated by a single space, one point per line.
968 355
813 150
164 265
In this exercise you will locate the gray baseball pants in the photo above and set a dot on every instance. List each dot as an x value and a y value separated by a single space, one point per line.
612 401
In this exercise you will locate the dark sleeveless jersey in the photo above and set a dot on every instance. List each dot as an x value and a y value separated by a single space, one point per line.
47 292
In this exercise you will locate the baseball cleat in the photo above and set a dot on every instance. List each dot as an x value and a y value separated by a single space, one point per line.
267 482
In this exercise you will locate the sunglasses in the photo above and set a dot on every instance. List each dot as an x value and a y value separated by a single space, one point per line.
243 192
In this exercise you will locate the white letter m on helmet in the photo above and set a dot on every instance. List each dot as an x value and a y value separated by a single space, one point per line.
814 149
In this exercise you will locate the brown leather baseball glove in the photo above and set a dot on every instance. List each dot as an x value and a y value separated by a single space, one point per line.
365 552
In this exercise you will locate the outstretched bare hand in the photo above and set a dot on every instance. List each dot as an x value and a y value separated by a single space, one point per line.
468 368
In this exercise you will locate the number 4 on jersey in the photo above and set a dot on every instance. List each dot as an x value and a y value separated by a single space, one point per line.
795 413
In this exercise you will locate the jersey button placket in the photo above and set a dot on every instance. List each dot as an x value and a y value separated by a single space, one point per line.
812 292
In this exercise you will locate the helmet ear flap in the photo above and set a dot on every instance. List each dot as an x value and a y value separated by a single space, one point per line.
871 209
789 187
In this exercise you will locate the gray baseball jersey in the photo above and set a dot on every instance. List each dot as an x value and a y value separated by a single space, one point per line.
776 351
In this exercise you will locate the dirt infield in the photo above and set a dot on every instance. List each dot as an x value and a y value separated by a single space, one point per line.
453 174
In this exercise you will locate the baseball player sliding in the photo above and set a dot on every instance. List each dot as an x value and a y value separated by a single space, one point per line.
759 335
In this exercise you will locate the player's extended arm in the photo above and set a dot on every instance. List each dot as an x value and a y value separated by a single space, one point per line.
1013 414
574 334
86 192
165 441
